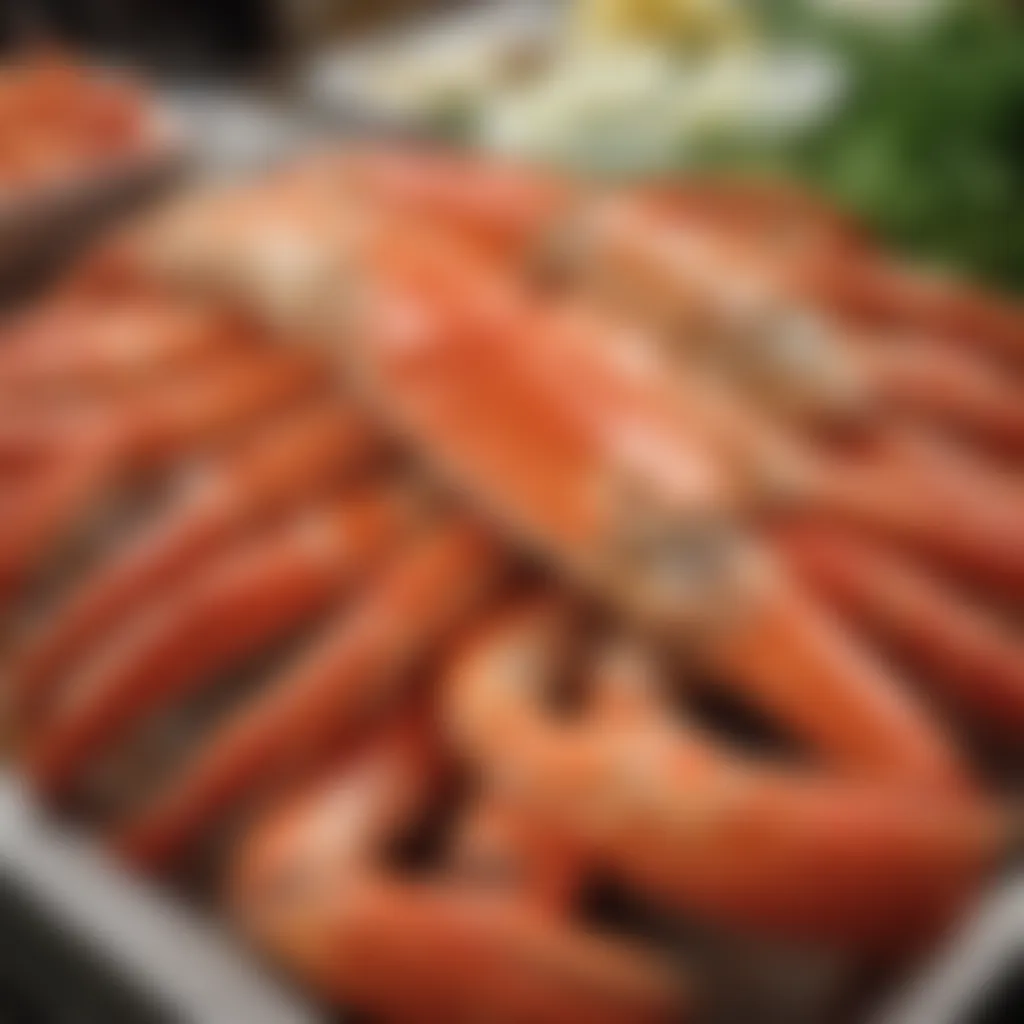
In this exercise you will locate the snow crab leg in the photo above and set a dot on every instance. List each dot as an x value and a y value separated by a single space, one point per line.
266 476
92 450
363 664
95 344
836 861
611 487
312 885
263 591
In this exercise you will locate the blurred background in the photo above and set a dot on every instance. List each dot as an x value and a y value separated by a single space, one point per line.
909 112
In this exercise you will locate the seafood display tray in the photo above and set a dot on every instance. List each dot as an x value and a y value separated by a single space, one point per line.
123 951
162 961
130 953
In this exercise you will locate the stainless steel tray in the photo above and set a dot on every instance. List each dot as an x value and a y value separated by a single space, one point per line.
175 957
185 963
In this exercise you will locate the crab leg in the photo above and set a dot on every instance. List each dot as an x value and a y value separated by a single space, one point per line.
888 485
632 506
834 268
427 185
309 885
508 209
42 506
964 478
862 287
262 592
772 211
87 347
878 292
894 490
809 857
268 475
808 672
978 666
33 440
226 398
728 258
224 393
951 390
512 208
497 844
105 449
725 301
363 663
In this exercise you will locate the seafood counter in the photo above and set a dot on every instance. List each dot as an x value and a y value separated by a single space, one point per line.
418 557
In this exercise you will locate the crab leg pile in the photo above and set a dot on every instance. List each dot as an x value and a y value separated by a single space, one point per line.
417 506
63 123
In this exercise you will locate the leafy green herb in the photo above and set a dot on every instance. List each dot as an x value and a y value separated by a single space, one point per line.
930 146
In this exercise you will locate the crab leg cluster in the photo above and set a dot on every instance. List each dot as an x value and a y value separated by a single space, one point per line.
390 432
459 951
62 122
679 818
261 509
711 265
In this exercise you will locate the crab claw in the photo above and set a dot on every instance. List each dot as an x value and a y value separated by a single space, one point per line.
697 827
311 885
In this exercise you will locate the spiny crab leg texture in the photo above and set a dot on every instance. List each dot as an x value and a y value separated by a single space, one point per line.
263 591
833 861
627 503
363 664
312 885
264 476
